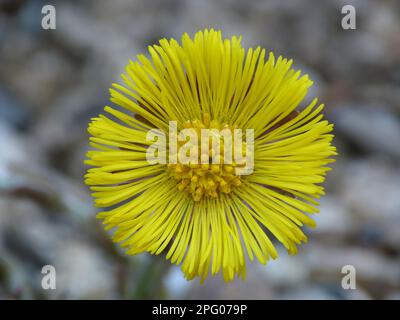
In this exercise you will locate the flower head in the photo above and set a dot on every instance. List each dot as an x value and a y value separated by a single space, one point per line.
202 212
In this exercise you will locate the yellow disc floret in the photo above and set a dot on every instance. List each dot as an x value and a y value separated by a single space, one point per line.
206 177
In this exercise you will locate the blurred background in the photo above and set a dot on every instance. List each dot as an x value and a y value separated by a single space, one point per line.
53 81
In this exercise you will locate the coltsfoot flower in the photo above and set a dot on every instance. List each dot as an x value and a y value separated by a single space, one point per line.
203 215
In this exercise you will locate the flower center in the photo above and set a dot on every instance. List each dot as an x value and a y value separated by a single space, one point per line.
211 174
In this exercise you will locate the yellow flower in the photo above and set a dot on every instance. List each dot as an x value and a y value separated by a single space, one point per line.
206 216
